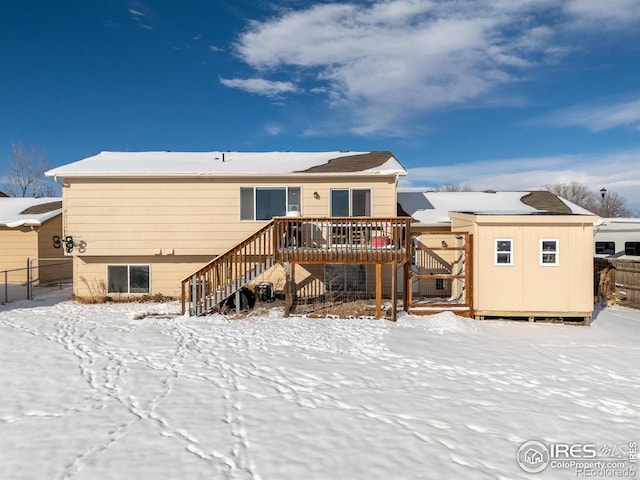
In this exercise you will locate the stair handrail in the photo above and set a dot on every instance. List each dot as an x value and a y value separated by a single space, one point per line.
225 256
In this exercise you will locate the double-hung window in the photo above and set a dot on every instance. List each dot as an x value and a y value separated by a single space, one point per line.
128 278
549 255
264 203
351 202
504 251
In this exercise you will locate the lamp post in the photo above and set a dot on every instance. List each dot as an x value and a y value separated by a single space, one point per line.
603 192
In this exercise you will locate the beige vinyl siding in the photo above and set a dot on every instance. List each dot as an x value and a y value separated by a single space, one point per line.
165 273
51 270
140 217
18 245
526 286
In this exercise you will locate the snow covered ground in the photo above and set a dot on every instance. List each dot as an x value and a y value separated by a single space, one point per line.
99 392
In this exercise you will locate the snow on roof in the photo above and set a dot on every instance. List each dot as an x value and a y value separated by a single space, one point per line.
432 208
28 212
137 164
630 220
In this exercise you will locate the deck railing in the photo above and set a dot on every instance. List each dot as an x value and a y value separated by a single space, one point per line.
342 239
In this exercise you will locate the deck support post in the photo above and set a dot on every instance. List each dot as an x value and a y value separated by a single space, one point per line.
289 287
406 294
378 290
394 291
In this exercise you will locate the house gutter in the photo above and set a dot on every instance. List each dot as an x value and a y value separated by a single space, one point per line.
62 184
227 175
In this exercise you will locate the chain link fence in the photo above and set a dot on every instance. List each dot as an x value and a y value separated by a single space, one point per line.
39 276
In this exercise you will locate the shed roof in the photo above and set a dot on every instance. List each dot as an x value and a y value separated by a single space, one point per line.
194 164
432 208
29 212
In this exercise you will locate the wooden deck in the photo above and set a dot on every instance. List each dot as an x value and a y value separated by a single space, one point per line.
441 267
342 240
293 240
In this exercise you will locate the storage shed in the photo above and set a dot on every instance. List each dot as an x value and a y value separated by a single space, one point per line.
532 251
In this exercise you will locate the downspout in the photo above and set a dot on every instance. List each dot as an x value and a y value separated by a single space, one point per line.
64 215
62 184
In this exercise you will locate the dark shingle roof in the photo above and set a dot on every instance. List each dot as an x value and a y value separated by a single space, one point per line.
42 208
352 163
545 201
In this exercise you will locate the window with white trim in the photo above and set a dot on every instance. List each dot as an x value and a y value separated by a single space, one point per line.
128 278
264 203
350 202
504 251
549 255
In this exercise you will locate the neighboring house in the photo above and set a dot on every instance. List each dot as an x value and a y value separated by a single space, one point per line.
27 228
530 253
148 220
617 237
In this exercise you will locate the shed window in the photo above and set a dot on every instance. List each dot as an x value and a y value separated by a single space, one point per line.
549 253
605 248
351 202
128 278
264 203
632 248
504 251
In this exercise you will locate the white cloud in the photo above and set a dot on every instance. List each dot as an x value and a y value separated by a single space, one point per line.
598 117
272 129
617 171
611 13
215 49
386 61
136 13
260 86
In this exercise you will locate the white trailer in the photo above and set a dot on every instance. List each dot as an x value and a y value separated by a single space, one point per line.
616 237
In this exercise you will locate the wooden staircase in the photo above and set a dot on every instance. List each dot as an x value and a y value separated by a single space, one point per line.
209 288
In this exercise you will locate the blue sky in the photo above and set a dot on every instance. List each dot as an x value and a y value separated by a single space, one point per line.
498 94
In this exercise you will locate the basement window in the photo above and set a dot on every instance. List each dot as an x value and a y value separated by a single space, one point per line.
128 278
549 253
504 251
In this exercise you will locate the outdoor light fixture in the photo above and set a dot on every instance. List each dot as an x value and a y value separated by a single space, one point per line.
603 192
68 243
316 195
